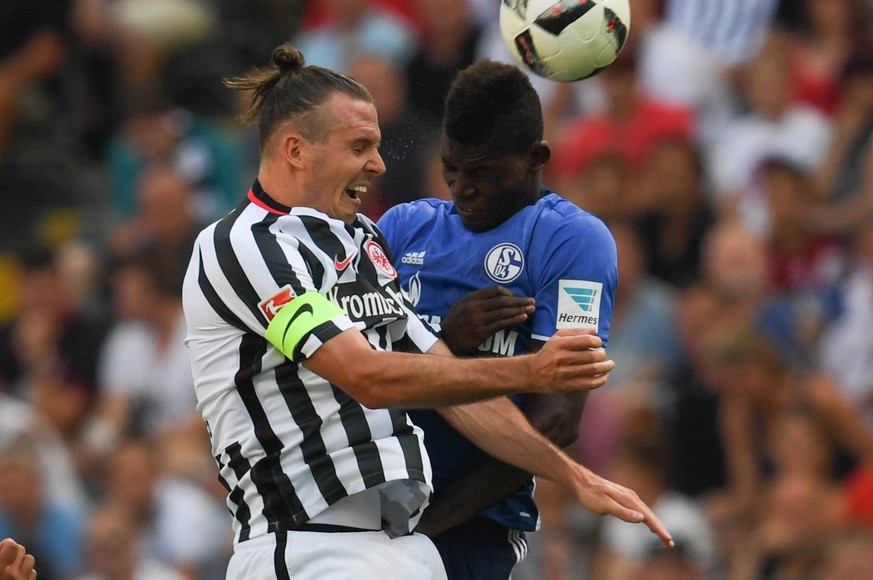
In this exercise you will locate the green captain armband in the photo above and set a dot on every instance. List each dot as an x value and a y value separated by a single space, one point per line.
296 321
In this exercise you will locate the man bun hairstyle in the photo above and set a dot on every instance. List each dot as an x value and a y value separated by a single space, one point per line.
289 91
492 103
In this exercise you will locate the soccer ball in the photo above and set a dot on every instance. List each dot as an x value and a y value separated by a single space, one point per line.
565 40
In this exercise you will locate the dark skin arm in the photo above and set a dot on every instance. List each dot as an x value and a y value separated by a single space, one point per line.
469 322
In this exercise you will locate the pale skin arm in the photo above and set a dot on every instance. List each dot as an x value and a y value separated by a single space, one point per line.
15 562
500 429
569 361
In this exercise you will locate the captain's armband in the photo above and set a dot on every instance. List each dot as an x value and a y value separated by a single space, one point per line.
293 324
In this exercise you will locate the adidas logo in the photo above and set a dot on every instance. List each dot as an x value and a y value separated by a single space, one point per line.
413 258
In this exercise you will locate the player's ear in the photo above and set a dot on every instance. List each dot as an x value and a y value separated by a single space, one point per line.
291 146
540 154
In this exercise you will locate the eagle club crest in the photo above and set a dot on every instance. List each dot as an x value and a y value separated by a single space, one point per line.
380 259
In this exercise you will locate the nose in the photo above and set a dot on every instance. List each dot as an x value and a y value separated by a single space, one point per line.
375 164
461 188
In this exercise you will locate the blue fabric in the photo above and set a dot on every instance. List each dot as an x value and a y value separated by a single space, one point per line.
57 538
551 250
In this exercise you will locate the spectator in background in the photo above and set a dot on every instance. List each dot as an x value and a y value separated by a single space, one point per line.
602 187
644 335
48 351
845 345
689 56
632 127
175 521
844 180
37 156
641 461
353 28
165 221
800 259
145 374
774 125
154 133
112 549
34 46
847 555
731 295
51 530
22 421
829 34
449 42
804 266
674 213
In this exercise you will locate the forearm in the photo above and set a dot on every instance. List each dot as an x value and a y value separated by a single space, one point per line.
500 429
391 379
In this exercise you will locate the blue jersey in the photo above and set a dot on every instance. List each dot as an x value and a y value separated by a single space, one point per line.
562 256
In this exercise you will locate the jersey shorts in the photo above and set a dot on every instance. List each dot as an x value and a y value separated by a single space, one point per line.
336 556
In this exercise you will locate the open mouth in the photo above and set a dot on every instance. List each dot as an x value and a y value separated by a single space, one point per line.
353 191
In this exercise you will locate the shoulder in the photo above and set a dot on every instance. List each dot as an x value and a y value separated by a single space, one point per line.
560 216
423 206
413 212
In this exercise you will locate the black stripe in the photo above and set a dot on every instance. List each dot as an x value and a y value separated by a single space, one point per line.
360 437
232 269
316 270
310 423
240 466
320 232
215 300
409 443
275 259
408 440
281 504
279 563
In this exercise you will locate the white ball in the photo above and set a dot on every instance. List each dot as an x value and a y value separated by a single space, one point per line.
565 40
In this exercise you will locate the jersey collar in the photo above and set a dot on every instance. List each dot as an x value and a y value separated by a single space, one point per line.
261 198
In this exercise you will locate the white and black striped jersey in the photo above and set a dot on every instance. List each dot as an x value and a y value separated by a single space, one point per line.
731 30
287 442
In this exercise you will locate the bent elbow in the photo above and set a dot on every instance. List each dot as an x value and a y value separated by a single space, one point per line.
560 430
566 436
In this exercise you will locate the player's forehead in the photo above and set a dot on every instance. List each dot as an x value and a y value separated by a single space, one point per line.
352 118
473 154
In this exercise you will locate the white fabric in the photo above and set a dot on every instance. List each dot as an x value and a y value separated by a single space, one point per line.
132 364
62 482
846 351
146 569
674 70
190 527
680 515
802 136
339 556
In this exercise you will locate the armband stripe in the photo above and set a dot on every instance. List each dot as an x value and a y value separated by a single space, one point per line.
297 319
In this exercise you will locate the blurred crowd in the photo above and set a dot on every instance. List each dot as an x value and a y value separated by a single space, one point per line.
729 149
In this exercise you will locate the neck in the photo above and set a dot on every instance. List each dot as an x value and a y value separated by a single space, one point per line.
279 188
